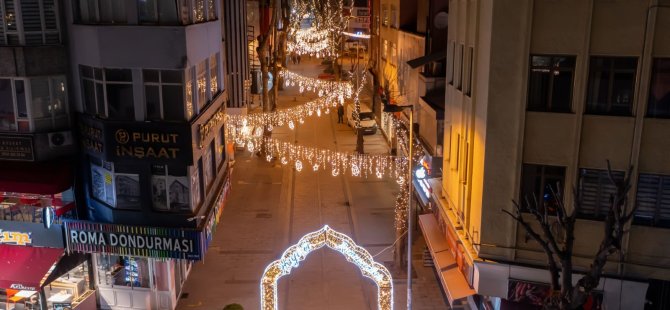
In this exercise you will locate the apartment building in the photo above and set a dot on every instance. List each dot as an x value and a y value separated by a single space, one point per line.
149 96
37 146
539 93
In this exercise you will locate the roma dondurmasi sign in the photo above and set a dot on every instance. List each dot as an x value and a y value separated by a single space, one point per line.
156 242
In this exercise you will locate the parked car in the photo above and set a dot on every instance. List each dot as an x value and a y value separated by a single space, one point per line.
368 123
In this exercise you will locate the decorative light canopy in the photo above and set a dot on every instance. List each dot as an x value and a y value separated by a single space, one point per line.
322 87
358 165
337 241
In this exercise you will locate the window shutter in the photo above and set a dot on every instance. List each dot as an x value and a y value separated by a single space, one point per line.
664 201
596 190
51 22
32 22
647 197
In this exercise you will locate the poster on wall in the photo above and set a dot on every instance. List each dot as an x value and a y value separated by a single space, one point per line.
159 192
128 190
531 293
179 193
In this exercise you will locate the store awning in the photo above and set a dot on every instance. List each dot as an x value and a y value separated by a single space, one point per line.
417 62
43 178
65 264
453 281
24 267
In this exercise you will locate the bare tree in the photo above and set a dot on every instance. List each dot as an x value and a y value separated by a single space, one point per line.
565 295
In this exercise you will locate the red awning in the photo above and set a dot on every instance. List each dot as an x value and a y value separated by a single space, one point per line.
24 267
44 178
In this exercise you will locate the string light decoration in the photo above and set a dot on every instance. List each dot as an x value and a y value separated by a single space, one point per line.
327 23
356 35
337 241
321 87
359 165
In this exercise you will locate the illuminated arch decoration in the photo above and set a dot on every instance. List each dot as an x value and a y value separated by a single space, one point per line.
336 241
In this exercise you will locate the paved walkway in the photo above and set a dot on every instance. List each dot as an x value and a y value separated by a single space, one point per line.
271 207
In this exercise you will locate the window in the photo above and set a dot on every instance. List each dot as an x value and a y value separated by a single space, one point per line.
385 17
213 75
164 94
195 184
198 7
659 91
611 84
169 189
208 166
540 183
450 62
47 100
467 71
386 48
221 149
122 270
100 11
37 23
550 83
201 80
13 113
458 67
394 19
127 190
596 189
161 12
108 92
653 200
49 103
211 10
189 93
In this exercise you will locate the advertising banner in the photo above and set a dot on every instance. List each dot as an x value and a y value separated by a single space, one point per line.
157 242
132 141
31 234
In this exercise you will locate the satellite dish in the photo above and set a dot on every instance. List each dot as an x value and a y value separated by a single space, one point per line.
441 20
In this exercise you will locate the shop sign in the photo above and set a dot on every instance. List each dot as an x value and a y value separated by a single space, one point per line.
216 214
158 143
158 242
16 148
206 129
91 137
131 141
15 238
31 234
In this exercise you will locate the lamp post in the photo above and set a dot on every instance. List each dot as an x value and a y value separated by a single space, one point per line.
398 108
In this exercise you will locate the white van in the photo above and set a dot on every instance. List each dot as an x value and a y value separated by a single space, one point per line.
368 124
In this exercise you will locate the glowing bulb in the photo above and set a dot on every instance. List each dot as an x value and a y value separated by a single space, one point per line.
301 90
284 161
379 174
291 125
318 112
298 165
355 170
302 121
327 111
310 112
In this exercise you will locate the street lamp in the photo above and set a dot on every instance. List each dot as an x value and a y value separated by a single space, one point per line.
397 108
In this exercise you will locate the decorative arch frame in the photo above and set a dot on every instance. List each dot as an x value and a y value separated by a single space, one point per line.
337 241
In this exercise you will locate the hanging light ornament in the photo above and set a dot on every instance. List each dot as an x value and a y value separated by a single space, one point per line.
336 171
291 125
315 167
355 170
284 161
298 165
250 146
268 157
318 112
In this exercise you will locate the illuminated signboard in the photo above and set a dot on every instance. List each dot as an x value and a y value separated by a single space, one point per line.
15 238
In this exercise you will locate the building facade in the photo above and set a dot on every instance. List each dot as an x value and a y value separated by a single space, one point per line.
149 96
37 144
542 94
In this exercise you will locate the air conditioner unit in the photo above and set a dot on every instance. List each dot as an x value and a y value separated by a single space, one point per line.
60 139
